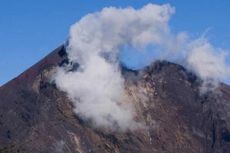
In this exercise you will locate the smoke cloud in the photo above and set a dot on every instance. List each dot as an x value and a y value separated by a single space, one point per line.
97 87
209 63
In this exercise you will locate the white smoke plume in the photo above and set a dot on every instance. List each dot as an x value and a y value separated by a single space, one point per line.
208 62
97 87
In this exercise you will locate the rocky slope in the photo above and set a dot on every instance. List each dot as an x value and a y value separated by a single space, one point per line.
35 117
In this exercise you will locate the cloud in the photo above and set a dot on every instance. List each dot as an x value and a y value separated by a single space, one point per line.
208 62
96 88
98 94
110 29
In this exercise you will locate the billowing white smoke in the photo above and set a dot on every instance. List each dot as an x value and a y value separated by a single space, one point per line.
97 91
97 87
107 31
208 62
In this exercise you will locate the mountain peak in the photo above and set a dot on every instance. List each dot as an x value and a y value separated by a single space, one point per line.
37 117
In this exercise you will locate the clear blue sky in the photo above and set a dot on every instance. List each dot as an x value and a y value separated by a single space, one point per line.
29 30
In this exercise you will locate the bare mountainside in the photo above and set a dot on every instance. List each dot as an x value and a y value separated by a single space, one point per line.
36 117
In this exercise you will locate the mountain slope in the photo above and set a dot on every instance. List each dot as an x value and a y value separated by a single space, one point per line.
36 117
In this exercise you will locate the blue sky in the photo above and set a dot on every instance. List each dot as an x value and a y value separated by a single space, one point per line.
29 30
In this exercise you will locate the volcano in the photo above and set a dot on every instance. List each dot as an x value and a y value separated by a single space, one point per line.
36 117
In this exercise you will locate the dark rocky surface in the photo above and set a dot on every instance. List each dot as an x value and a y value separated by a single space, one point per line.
35 117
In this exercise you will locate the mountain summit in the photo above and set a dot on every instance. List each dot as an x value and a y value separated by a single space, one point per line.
36 117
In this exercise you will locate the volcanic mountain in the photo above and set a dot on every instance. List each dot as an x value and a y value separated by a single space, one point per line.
36 117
